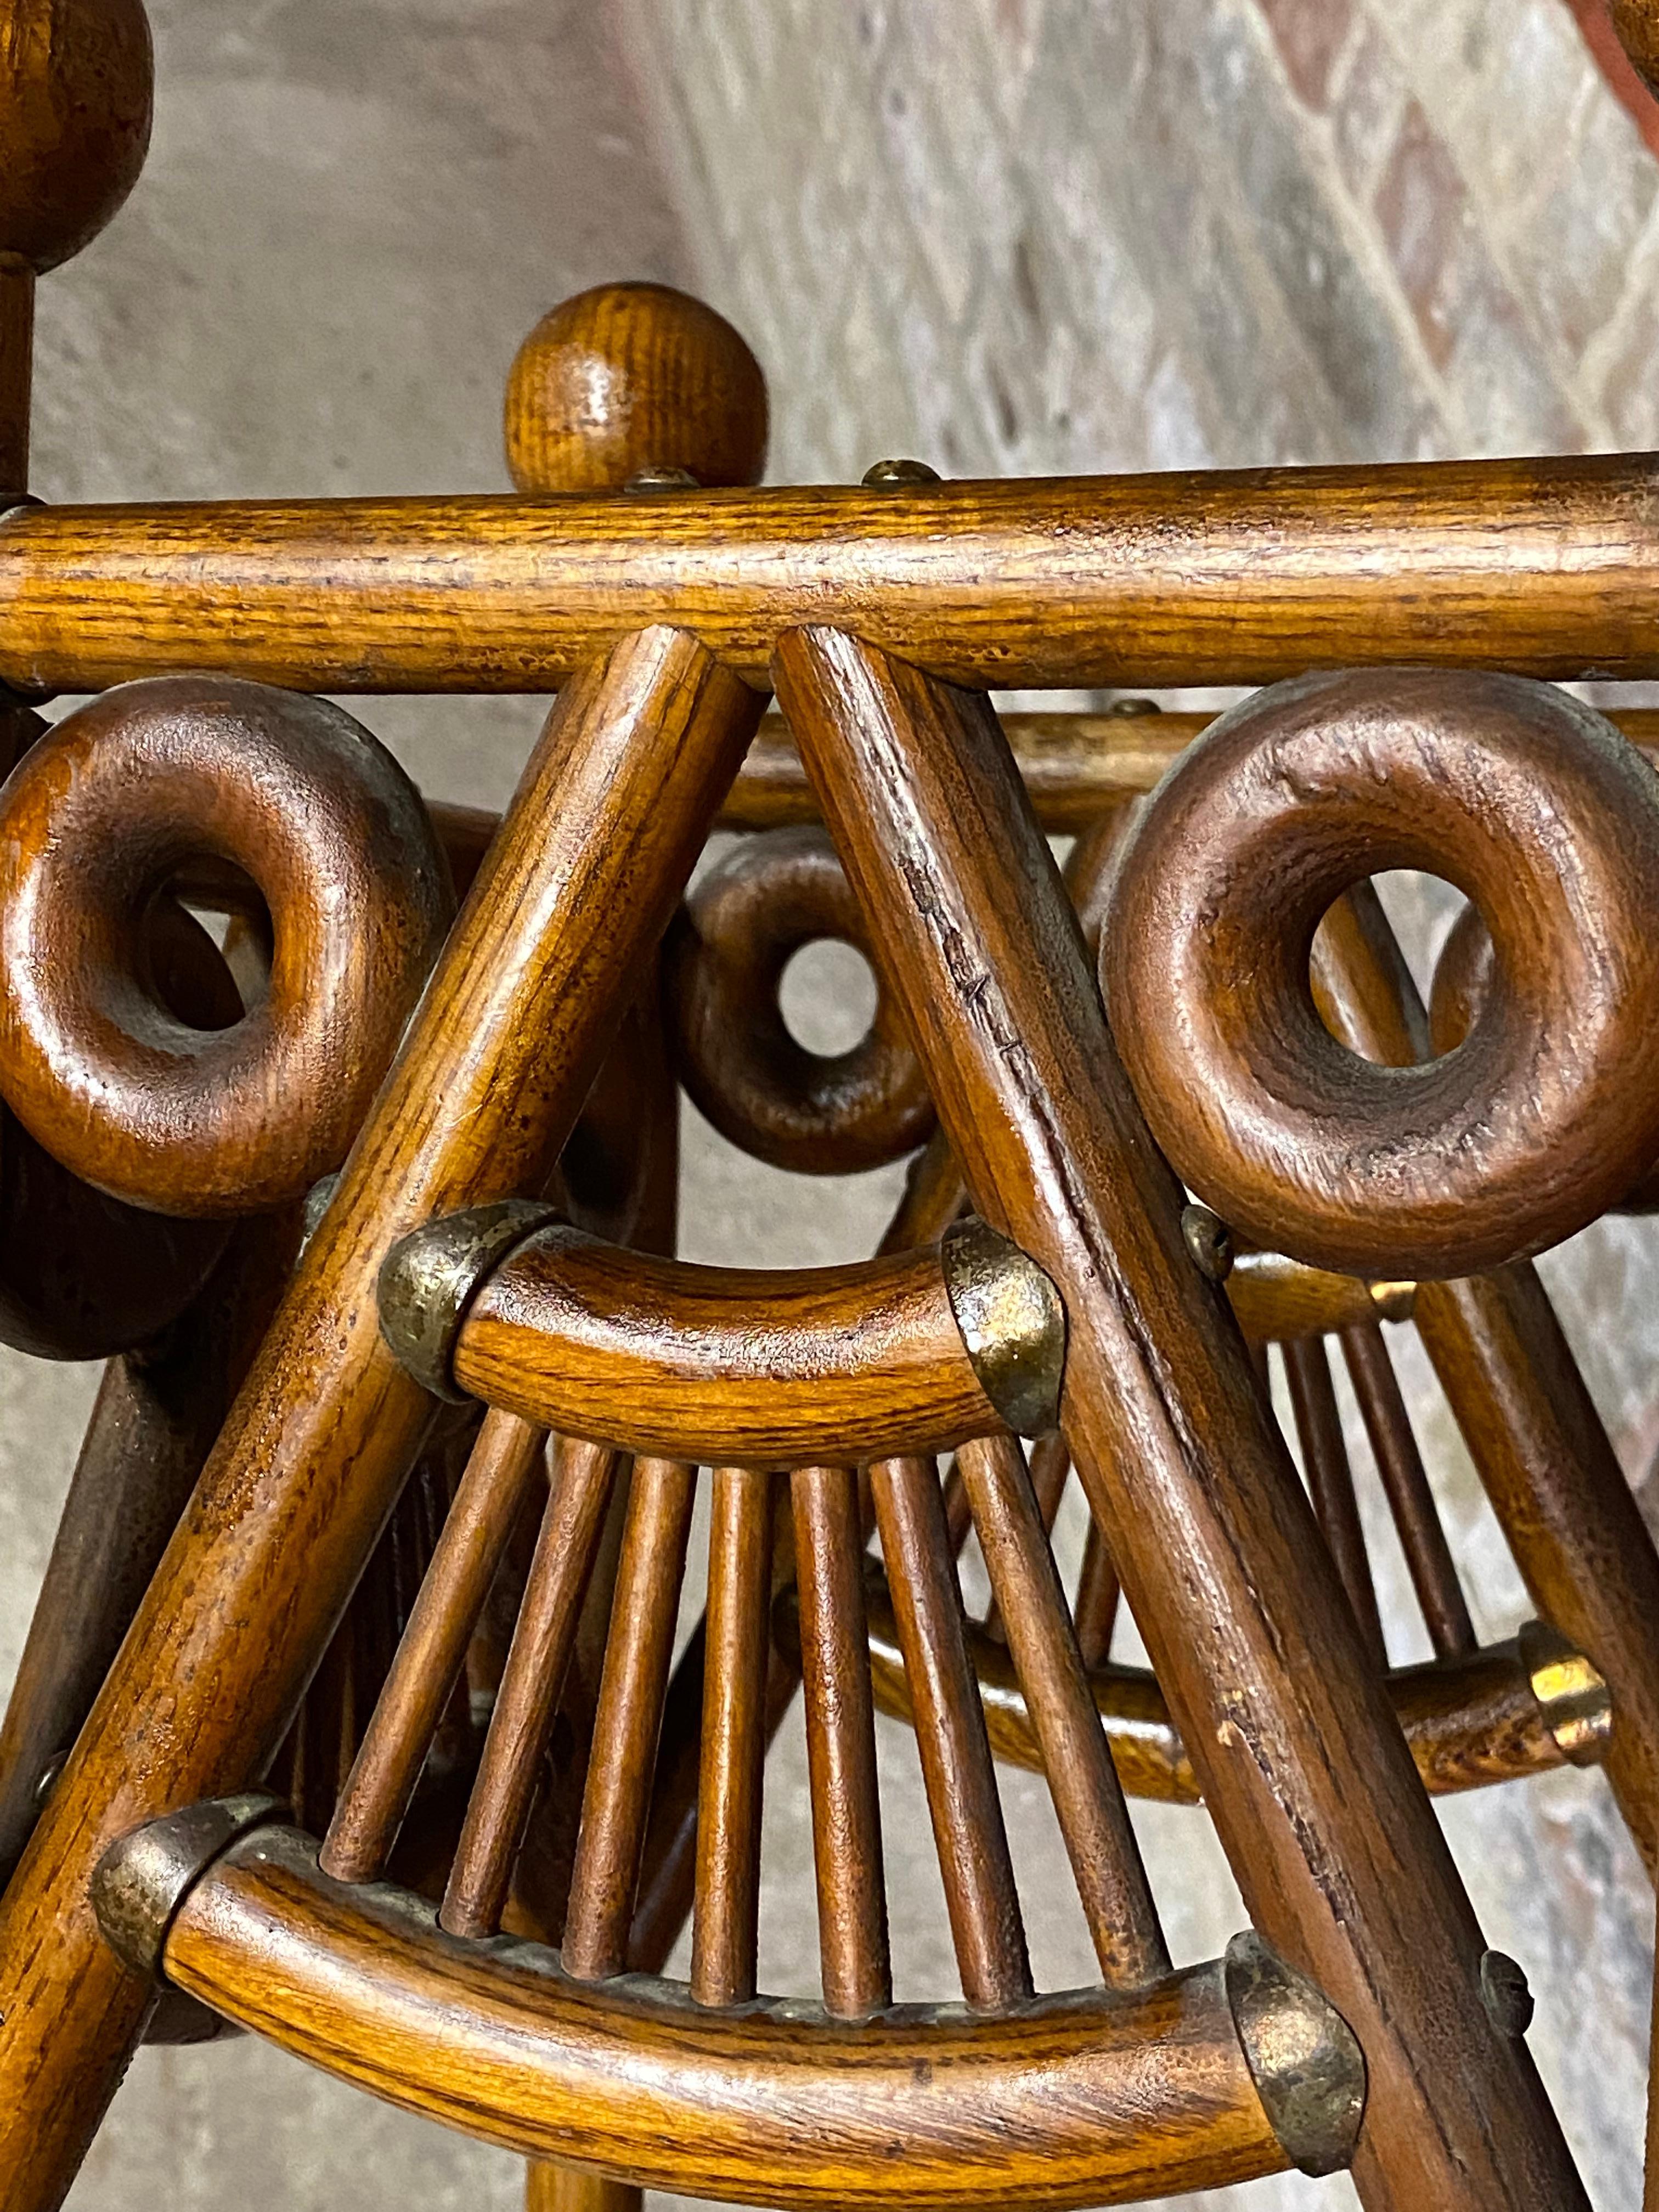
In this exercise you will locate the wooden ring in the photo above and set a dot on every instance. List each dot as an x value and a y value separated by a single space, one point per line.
1463 977
95 822
818 1114
1534 806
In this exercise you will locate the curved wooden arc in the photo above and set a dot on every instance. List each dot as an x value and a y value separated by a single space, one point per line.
1549 567
1081 2100
1469 1723
741 1367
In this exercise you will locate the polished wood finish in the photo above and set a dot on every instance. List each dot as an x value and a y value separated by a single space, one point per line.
1111 1882
613 807
975 1867
1549 1112
1539 1445
1547 567
92 1059
743 1366
506 1462
1309 1781
1468 1725
632 378
841 1743
819 1114
725 1928
76 81
629 1720
1099 1593
1079 2100
16 371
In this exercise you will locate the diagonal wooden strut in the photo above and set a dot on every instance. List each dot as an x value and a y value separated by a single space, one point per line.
1315 1799
612 812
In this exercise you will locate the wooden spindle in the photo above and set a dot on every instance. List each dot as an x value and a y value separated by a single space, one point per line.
629 1720
1416 1517
528 1698
1050 1463
1330 1480
725 1928
972 1842
841 1742
1117 1905
1098 1594
501 1471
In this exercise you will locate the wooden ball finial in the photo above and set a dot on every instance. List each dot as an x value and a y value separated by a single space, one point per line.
75 108
1637 22
630 381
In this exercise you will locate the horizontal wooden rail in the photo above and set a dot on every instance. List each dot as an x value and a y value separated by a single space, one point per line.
1469 1722
1079 2100
1548 567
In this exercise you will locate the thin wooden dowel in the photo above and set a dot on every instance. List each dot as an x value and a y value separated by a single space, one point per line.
505 1462
528 1698
629 1721
841 1743
958 1514
980 1892
1098 1593
737 1634
1050 1464
1428 1556
1117 1903
1330 1480
17 365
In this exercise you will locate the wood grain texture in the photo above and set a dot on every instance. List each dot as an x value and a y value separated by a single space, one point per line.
1520 793
1467 1724
841 1743
488 1082
93 1060
631 377
816 1113
1080 2101
743 1366
75 79
505 1462
1313 1792
725 1929
1550 568
629 1721
1111 1882
1540 1446
969 1834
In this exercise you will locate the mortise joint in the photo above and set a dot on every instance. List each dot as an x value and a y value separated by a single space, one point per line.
1572 1694
429 1279
1012 1324
144 1878
1303 2057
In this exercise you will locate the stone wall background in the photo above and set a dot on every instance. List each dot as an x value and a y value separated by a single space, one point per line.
1008 236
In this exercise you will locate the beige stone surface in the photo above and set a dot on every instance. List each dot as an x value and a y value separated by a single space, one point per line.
1005 234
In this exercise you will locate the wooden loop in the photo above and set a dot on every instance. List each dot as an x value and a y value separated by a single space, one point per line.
1533 805
629 380
727 1366
181 1119
75 108
819 1114
1082 2099
1462 979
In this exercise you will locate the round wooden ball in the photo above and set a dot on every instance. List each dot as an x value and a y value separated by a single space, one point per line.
1637 22
632 380
75 108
